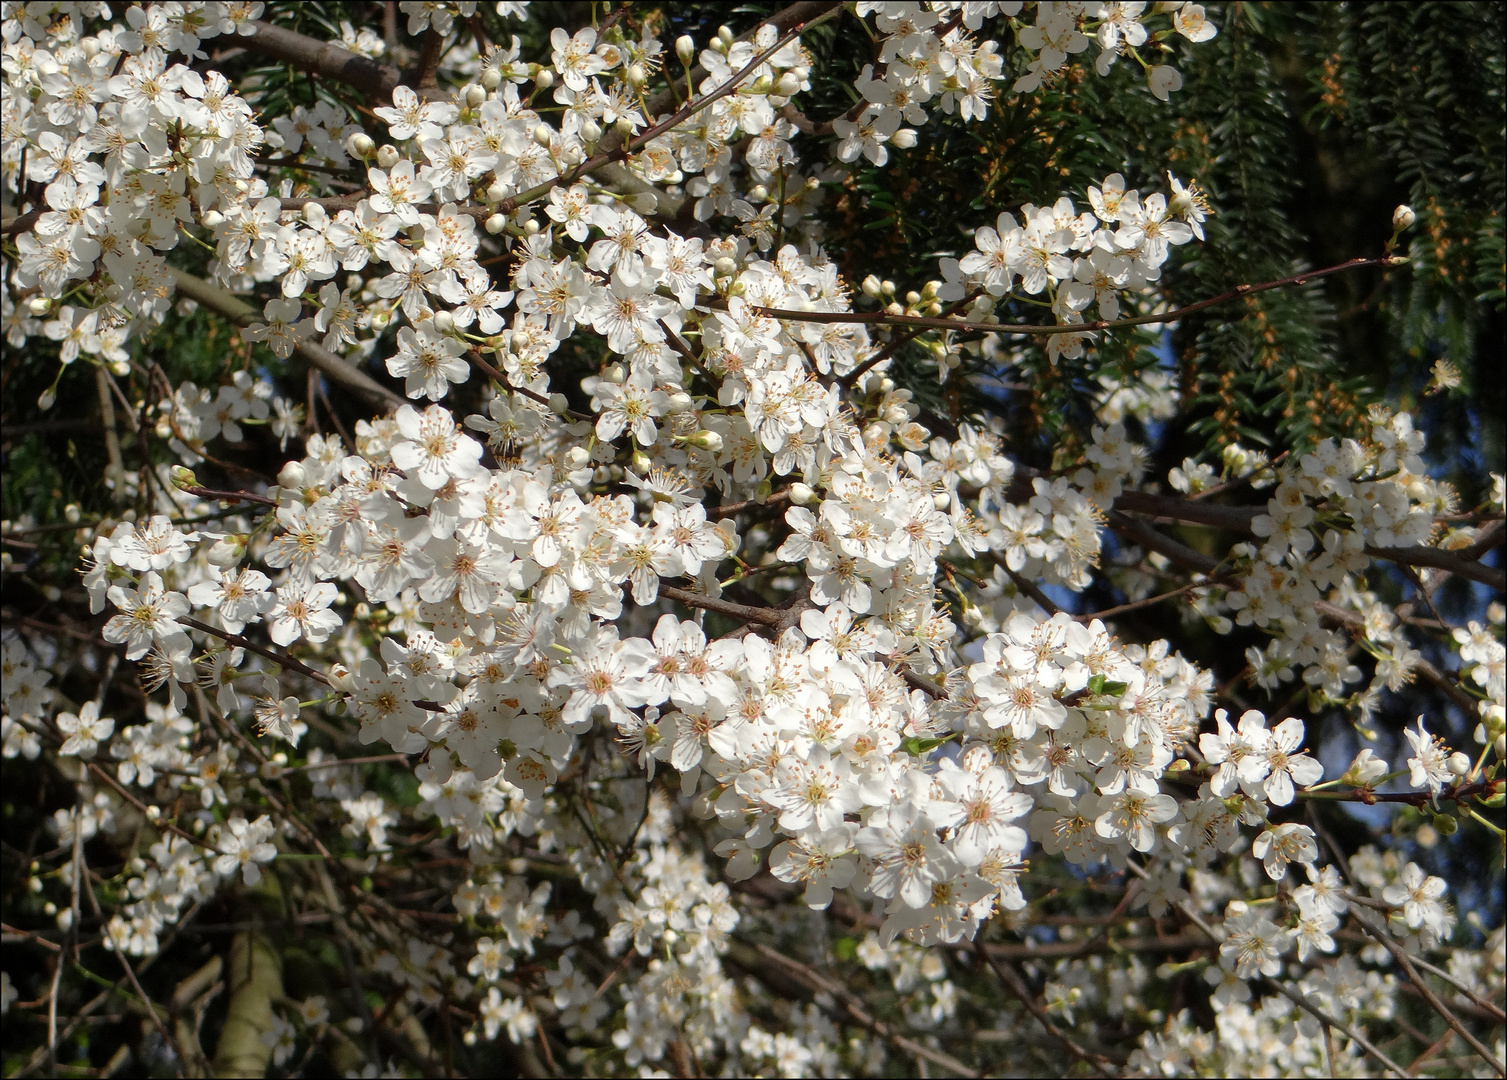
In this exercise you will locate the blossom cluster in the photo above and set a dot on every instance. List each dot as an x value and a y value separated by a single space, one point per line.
504 587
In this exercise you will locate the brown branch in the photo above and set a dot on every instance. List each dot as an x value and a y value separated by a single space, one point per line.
850 1004
1381 935
1017 986
238 311
326 58
1238 519
1030 588
502 380
613 153
228 496
281 659
764 616
1068 328
849 380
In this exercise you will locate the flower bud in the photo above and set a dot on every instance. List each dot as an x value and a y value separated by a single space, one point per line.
707 440
615 374
624 128
496 191
576 458
380 319
545 79
724 267
636 76
558 405
291 476
905 138
591 131
444 322
543 134
39 305
788 85
1458 763
759 193
680 401
802 494
491 79
871 287
725 34
47 399
212 219
685 48
496 223
1403 217
387 155
640 461
912 298
476 95
182 478
360 145
71 513
531 227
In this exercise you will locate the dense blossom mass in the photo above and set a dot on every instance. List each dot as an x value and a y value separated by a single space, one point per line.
899 729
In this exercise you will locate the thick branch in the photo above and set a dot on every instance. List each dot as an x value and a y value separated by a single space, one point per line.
327 58
243 314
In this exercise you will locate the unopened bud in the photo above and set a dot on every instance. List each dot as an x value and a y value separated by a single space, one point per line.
707 440
360 145
640 461
591 131
444 322
802 494
759 193
788 85
725 34
636 76
576 458
1403 217
46 399
1458 763
545 79
685 48
531 227
615 374
491 78
912 298
724 267
558 405
475 96
680 401
182 478
291 476
887 287
624 128
496 191
905 138
212 219
543 134
872 287
39 305
496 223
